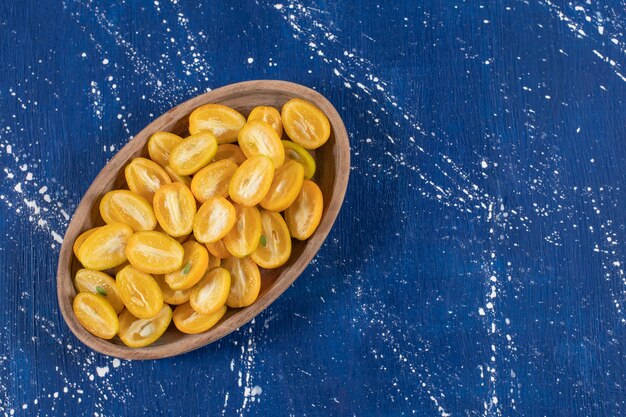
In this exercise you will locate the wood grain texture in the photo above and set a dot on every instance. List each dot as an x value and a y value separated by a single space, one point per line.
333 170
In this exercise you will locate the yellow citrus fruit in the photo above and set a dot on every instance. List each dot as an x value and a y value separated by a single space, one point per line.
96 315
305 124
137 332
220 120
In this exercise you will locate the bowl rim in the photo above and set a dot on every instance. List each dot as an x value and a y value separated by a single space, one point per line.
64 282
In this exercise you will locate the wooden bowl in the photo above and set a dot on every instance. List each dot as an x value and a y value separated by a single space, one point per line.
333 168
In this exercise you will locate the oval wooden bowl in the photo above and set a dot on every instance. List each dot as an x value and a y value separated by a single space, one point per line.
333 168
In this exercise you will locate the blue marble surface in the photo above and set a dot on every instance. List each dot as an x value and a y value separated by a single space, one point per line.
477 265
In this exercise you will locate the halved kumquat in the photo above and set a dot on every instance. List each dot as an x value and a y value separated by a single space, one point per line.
297 153
213 220
305 124
154 252
218 249
106 247
144 177
229 151
222 121
137 332
252 180
160 146
193 153
213 180
175 208
171 296
274 247
244 237
285 187
189 321
96 315
259 138
195 264
139 292
245 281
123 206
211 293
303 216
183 179
81 239
268 115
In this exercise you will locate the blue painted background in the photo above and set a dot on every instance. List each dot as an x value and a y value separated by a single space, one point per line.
476 268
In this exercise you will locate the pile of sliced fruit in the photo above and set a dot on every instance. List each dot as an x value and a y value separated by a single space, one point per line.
198 220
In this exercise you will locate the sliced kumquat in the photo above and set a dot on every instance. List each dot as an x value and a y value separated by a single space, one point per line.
183 179
214 220
139 291
297 153
211 293
201 218
195 264
252 180
193 153
105 248
303 216
189 321
245 281
244 237
180 239
229 151
275 244
213 180
175 208
170 296
268 115
259 138
218 249
224 122
154 252
285 187
144 177
305 124
123 206
137 332
81 239
160 146
96 315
